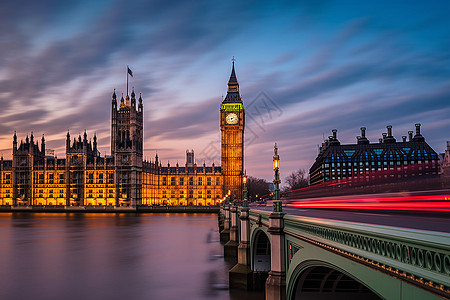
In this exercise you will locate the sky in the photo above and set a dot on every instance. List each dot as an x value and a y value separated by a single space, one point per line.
304 68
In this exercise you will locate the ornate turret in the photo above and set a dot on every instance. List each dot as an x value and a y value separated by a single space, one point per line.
67 140
14 142
122 103
133 98
95 143
114 100
140 106
43 144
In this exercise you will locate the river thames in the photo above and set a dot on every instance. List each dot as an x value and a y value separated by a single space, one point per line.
113 256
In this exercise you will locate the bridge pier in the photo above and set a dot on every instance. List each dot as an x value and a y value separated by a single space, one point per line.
225 233
221 218
241 275
276 282
230 248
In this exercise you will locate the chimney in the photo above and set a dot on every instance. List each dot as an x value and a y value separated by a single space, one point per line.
404 138
418 136
410 135
384 134
418 129
389 138
334 140
362 139
363 132
389 130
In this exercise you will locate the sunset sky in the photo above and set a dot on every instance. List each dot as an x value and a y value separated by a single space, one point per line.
304 68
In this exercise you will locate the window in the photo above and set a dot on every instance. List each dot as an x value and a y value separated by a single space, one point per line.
164 180
164 194
7 179
200 181
191 180
89 193
181 180
111 178
181 194
61 179
172 194
172 181
91 178
217 181
100 178
191 194
200 194
208 180
208 194
50 178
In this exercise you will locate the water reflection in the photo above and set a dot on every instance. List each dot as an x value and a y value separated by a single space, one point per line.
113 256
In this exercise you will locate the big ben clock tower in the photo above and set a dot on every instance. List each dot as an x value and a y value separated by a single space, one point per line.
232 124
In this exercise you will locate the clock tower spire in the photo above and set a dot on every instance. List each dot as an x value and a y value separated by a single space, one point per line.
232 124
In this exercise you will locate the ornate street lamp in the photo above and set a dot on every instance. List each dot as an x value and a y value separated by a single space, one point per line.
244 180
276 181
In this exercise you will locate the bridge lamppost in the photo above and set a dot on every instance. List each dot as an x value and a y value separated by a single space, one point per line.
276 181
244 180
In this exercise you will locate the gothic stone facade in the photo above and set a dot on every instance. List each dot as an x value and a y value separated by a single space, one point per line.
124 179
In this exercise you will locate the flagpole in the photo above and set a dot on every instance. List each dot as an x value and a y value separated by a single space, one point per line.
127 80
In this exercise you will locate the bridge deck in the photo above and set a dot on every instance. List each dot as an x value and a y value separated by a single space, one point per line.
431 223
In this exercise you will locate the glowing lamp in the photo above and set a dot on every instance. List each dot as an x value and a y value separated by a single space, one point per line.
276 159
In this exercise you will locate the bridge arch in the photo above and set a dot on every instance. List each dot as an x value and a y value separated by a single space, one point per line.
260 257
317 280
309 255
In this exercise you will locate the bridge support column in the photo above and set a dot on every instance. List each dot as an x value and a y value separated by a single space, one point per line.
241 275
221 218
276 282
225 233
230 248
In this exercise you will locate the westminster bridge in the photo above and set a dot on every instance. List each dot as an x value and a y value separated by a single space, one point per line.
311 254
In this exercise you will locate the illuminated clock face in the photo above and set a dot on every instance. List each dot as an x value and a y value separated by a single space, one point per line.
232 118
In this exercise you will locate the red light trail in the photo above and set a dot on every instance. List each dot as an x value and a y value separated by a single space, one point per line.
438 203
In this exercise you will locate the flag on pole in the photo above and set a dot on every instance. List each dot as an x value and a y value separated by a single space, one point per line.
130 72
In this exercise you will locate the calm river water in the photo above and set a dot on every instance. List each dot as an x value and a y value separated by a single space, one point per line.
113 256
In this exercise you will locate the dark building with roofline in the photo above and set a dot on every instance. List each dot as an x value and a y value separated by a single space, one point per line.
381 161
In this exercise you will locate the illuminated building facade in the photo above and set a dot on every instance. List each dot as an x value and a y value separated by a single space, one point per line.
380 161
124 179
232 124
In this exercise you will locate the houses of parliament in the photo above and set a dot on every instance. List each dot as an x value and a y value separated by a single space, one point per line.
124 179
